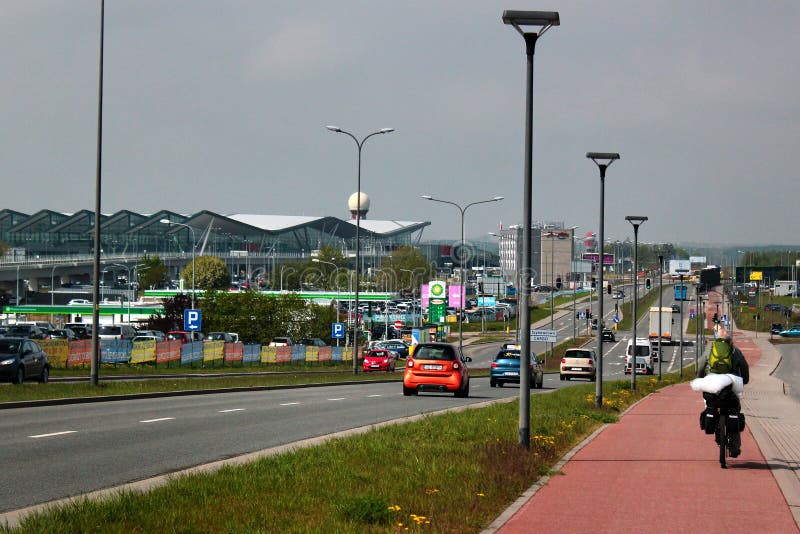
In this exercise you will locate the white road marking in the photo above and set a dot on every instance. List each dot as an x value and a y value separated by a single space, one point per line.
370 396
232 410
37 436
289 403
338 399
157 420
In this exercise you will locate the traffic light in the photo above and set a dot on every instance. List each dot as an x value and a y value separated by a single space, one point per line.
716 319
647 283
558 284
594 283
608 289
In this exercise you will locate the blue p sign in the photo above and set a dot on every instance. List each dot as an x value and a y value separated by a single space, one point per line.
337 330
192 320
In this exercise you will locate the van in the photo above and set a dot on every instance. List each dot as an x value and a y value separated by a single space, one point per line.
116 331
644 356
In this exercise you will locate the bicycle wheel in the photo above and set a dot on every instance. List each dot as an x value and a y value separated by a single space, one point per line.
722 439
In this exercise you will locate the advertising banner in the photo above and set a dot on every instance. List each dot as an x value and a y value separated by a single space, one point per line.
437 289
455 295
608 259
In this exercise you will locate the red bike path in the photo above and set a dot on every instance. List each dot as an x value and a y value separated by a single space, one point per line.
656 471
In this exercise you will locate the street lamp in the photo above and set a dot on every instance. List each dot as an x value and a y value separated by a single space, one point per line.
413 278
681 273
461 259
359 145
660 304
603 160
194 246
336 276
542 21
636 221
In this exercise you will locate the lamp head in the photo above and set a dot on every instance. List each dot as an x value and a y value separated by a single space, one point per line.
497 198
386 130
426 197
334 128
165 221
603 159
543 19
636 220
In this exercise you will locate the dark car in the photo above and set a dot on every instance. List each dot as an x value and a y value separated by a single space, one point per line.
776 328
81 330
22 359
26 330
775 307
609 335
505 369
63 333
219 336
676 308
394 345
312 342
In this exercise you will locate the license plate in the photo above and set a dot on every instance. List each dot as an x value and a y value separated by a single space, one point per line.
511 373
374 365
577 368
431 367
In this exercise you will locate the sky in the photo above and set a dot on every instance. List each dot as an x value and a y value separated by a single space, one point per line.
222 106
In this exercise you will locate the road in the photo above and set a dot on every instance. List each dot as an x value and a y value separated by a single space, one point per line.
58 451
789 368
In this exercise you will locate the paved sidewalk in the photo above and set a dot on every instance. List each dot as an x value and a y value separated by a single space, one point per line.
655 470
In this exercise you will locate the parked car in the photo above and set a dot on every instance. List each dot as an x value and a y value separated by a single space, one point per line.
794 331
609 335
505 369
22 359
184 336
219 336
79 302
578 363
281 342
776 307
437 367
379 360
63 333
776 328
26 330
157 334
145 337
116 331
395 345
312 342
82 330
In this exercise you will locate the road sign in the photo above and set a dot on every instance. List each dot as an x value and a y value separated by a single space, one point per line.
337 330
691 314
616 318
398 325
548 336
192 320
583 315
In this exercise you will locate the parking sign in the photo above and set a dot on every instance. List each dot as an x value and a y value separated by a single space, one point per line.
337 330
192 320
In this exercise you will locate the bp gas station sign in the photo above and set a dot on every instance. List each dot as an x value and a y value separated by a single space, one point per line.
437 303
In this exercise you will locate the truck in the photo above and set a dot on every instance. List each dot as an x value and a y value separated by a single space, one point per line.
665 334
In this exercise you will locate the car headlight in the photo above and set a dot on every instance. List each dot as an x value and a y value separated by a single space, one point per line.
7 362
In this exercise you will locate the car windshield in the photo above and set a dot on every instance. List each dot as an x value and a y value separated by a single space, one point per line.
216 336
425 352
641 350
8 346
109 330
506 354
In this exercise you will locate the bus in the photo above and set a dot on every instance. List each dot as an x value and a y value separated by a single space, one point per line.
681 292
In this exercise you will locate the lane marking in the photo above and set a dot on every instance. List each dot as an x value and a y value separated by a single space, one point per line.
157 420
370 396
289 403
232 410
338 399
37 436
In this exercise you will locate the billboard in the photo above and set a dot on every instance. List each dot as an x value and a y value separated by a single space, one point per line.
608 259
697 259
679 265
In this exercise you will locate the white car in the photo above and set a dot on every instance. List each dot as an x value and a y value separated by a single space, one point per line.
79 302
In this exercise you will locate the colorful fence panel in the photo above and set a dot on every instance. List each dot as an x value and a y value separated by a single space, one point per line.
324 354
298 353
192 352
57 351
115 350
336 354
312 354
80 352
234 352
168 351
143 351
269 354
283 354
251 353
213 351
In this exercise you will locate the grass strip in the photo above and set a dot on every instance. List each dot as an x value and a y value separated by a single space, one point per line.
455 472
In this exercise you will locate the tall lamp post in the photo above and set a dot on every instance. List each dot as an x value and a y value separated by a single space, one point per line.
681 272
540 21
359 146
636 221
413 279
603 160
660 304
194 247
336 276
461 259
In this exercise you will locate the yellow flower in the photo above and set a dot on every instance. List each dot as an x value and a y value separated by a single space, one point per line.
480 495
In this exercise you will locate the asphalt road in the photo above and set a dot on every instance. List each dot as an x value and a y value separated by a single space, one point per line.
789 368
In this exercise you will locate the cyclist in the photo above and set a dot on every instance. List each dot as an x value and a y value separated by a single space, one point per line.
726 358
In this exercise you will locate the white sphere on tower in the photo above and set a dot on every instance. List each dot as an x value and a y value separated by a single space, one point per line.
352 205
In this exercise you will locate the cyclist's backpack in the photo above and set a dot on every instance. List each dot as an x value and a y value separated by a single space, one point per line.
720 359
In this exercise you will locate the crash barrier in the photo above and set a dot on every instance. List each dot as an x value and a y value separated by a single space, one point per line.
63 353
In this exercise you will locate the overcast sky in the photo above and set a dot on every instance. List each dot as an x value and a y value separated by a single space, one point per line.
222 105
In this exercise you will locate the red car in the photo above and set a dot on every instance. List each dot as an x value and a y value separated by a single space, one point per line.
379 360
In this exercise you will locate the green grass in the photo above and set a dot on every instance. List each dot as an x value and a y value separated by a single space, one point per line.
643 306
447 473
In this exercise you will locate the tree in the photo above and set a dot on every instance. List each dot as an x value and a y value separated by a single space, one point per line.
211 273
151 272
172 318
404 259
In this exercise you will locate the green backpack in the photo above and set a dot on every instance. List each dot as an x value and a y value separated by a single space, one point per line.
720 360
